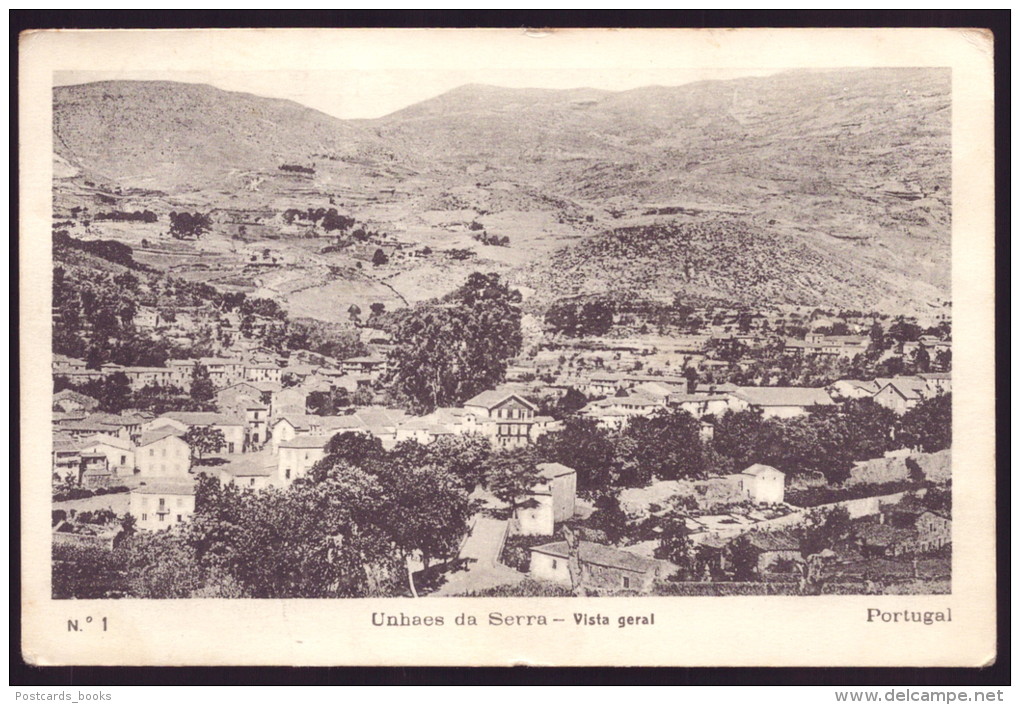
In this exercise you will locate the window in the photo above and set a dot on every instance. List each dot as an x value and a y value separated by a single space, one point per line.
626 582
179 518
145 517
251 482
162 517
286 473
162 502
555 564
180 501
123 460
164 452
152 452
230 447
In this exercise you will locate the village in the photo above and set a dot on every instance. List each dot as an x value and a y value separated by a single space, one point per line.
255 419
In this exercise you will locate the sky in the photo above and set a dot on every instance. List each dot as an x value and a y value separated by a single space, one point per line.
352 94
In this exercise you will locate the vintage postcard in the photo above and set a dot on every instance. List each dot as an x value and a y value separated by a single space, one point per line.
506 347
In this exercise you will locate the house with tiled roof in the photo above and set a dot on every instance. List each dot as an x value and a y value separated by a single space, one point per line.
120 453
373 365
69 400
900 393
774 550
254 472
232 427
162 453
552 500
761 484
783 402
163 503
506 419
853 389
601 567
297 456
700 405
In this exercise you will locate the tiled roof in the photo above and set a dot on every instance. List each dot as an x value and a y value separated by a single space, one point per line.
883 534
158 435
759 469
202 418
74 396
785 396
181 487
597 554
249 467
492 398
773 541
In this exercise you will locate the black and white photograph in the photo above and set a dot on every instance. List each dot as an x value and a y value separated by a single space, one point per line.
523 331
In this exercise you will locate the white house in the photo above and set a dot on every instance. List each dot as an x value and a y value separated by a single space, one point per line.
853 389
120 454
254 472
163 454
550 502
762 484
298 455
232 428
505 418
900 393
161 504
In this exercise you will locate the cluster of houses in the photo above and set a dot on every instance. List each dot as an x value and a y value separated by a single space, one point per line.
262 368
626 396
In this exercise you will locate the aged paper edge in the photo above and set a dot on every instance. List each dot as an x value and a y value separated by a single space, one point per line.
729 631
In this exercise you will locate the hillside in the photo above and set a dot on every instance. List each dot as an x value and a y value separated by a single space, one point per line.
737 260
821 186
169 136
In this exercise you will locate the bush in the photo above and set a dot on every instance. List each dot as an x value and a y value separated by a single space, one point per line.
814 496
69 493
525 588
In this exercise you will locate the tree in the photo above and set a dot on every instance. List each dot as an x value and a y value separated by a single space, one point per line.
929 425
667 444
922 360
427 512
354 448
202 389
743 558
354 311
585 447
570 403
189 225
379 258
446 352
824 529
88 573
675 543
609 517
511 474
463 456
205 439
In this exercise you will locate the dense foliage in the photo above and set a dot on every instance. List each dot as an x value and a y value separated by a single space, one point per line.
448 351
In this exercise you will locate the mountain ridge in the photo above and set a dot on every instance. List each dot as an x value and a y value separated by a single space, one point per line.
852 164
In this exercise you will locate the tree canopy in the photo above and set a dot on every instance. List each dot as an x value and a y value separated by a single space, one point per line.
447 351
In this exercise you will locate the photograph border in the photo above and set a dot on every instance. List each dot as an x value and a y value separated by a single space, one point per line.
997 22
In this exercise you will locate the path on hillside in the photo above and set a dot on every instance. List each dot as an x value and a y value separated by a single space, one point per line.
480 554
